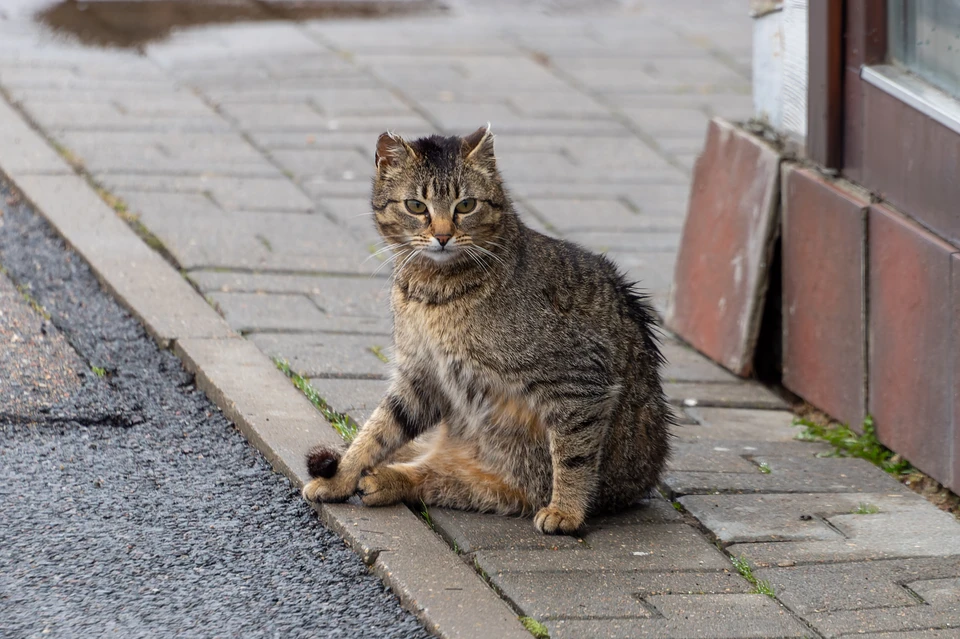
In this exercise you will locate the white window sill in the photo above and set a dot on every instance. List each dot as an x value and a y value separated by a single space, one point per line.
914 92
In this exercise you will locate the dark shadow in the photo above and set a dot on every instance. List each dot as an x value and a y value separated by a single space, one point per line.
134 23
768 355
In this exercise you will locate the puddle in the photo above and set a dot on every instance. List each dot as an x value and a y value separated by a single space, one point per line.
134 23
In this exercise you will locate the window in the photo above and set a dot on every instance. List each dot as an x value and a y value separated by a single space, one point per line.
924 38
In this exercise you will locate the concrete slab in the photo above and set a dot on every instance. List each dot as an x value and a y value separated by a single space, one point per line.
328 354
733 616
742 395
612 595
789 475
657 548
779 517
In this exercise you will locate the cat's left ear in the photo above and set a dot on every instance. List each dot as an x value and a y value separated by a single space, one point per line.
478 147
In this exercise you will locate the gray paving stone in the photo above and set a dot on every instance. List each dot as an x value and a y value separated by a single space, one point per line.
646 547
725 616
791 517
23 151
362 297
921 532
740 395
294 117
327 165
355 214
477 531
707 458
270 312
469 532
741 424
62 116
327 354
358 398
864 585
572 215
260 241
686 365
808 474
603 241
936 633
873 596
611 595
232 194
251 282
167 153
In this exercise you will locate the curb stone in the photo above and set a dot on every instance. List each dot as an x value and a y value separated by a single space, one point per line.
446 595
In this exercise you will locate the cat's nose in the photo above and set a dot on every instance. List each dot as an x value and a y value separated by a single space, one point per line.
443 238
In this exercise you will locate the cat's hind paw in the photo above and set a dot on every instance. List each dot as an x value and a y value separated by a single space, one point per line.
553 521
383 487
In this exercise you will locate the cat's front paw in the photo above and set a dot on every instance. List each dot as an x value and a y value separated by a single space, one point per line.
337 488
553 521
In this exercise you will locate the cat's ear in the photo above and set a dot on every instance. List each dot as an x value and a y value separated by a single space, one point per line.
478 146
392 151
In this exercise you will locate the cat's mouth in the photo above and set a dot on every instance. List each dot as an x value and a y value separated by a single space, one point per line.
442 254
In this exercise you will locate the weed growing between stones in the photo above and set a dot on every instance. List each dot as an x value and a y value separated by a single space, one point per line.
535 628
848 443
760 587
340 422
425 514
864 508
98 371
765 468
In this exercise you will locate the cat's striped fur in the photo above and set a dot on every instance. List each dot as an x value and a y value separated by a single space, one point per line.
526 370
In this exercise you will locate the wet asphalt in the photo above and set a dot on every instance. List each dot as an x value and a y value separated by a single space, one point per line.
129 506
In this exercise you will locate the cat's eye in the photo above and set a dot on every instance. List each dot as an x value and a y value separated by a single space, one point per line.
416 207
466 206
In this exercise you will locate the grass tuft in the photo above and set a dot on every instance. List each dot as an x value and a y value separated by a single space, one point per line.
848 443
98 371
760 587
535 628
340 422
425 513
865 509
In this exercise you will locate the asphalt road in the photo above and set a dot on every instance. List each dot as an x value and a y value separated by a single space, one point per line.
129 506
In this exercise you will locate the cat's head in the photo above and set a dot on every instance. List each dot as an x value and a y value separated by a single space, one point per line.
440 196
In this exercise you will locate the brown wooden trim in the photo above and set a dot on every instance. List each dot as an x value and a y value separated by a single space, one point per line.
865 31
825 83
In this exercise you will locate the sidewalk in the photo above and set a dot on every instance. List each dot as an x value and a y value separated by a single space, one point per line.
244 152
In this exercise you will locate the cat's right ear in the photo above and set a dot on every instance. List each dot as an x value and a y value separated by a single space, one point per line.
392 152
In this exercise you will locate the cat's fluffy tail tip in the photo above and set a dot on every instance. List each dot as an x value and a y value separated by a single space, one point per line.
322 461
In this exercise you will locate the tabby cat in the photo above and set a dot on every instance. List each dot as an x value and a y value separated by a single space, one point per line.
526 373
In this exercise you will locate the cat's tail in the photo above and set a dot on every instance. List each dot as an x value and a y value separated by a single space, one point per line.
322 461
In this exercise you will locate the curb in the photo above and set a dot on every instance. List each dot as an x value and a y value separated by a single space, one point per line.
448 597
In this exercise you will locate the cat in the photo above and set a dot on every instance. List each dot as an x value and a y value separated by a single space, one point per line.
526 372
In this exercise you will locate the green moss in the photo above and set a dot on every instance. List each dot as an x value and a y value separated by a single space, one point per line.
535 628
340 422
848 443
99 372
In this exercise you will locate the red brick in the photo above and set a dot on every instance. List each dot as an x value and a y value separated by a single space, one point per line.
724 260
954 483
823 294
911 359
